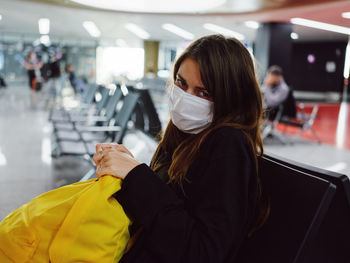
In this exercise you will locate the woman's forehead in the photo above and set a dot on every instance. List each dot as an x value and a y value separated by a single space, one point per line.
189 70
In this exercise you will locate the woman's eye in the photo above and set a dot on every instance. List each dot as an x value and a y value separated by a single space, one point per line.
203 93
180 82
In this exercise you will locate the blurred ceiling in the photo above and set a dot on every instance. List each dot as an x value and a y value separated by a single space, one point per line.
66 18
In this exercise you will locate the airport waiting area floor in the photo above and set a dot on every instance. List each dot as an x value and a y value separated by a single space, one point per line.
27 168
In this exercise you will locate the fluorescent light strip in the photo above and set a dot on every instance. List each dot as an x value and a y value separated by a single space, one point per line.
223 31
178 31
92 29
346 15
44 26
252 24
0 17
138 31
320 25
347 61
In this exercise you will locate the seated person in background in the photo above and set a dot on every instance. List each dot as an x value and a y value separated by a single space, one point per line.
274 89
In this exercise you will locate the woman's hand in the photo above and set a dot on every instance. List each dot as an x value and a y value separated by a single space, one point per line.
113 159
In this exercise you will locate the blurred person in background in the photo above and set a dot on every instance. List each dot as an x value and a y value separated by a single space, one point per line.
71 76
274 88
33 65
54 73
2 82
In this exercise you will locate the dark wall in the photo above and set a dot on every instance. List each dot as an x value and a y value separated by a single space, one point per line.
309 76
273 46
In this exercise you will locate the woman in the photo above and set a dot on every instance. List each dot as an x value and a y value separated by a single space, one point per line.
33 66
197 200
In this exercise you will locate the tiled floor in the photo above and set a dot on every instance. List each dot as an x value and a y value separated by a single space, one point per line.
27 170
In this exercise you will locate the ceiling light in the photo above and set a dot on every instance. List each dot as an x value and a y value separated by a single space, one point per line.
294 35
138 31
223 31
252 24
0 17
92 29
178 31
346 15
154 6
320 25
44 26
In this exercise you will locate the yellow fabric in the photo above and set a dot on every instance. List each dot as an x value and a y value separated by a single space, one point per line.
80 222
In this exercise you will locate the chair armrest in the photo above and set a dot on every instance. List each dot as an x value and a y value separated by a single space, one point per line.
88 118
98 128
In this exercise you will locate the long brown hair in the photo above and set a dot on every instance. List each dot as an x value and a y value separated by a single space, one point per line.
227 72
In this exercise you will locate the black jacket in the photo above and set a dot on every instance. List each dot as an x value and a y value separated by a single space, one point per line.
206 224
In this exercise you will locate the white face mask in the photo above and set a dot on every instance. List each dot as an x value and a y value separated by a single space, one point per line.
189 113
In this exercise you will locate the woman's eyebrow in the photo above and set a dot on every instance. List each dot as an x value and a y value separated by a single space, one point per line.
182 78
178 75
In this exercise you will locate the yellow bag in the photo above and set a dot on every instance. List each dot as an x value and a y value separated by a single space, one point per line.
80 222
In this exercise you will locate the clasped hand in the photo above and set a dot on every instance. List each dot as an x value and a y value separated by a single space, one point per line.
113 159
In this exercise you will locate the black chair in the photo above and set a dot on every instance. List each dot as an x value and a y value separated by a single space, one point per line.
332 242
146 118
302 120
298 203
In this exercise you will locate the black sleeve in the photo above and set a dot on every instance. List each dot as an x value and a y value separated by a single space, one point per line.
215 223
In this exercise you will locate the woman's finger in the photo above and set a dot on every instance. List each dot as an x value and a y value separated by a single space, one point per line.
122 148
119 148
98 155
97 158
102 171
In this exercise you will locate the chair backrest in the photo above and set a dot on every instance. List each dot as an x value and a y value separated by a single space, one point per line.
289 105
332 242
110 109
104 98
124 114
147 117
298 203
311 118
89 93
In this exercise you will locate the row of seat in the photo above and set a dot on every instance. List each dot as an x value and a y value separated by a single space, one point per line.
77 131
309 218
301 120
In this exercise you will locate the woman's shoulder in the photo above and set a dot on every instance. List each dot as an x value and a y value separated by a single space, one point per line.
226 141
227 133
